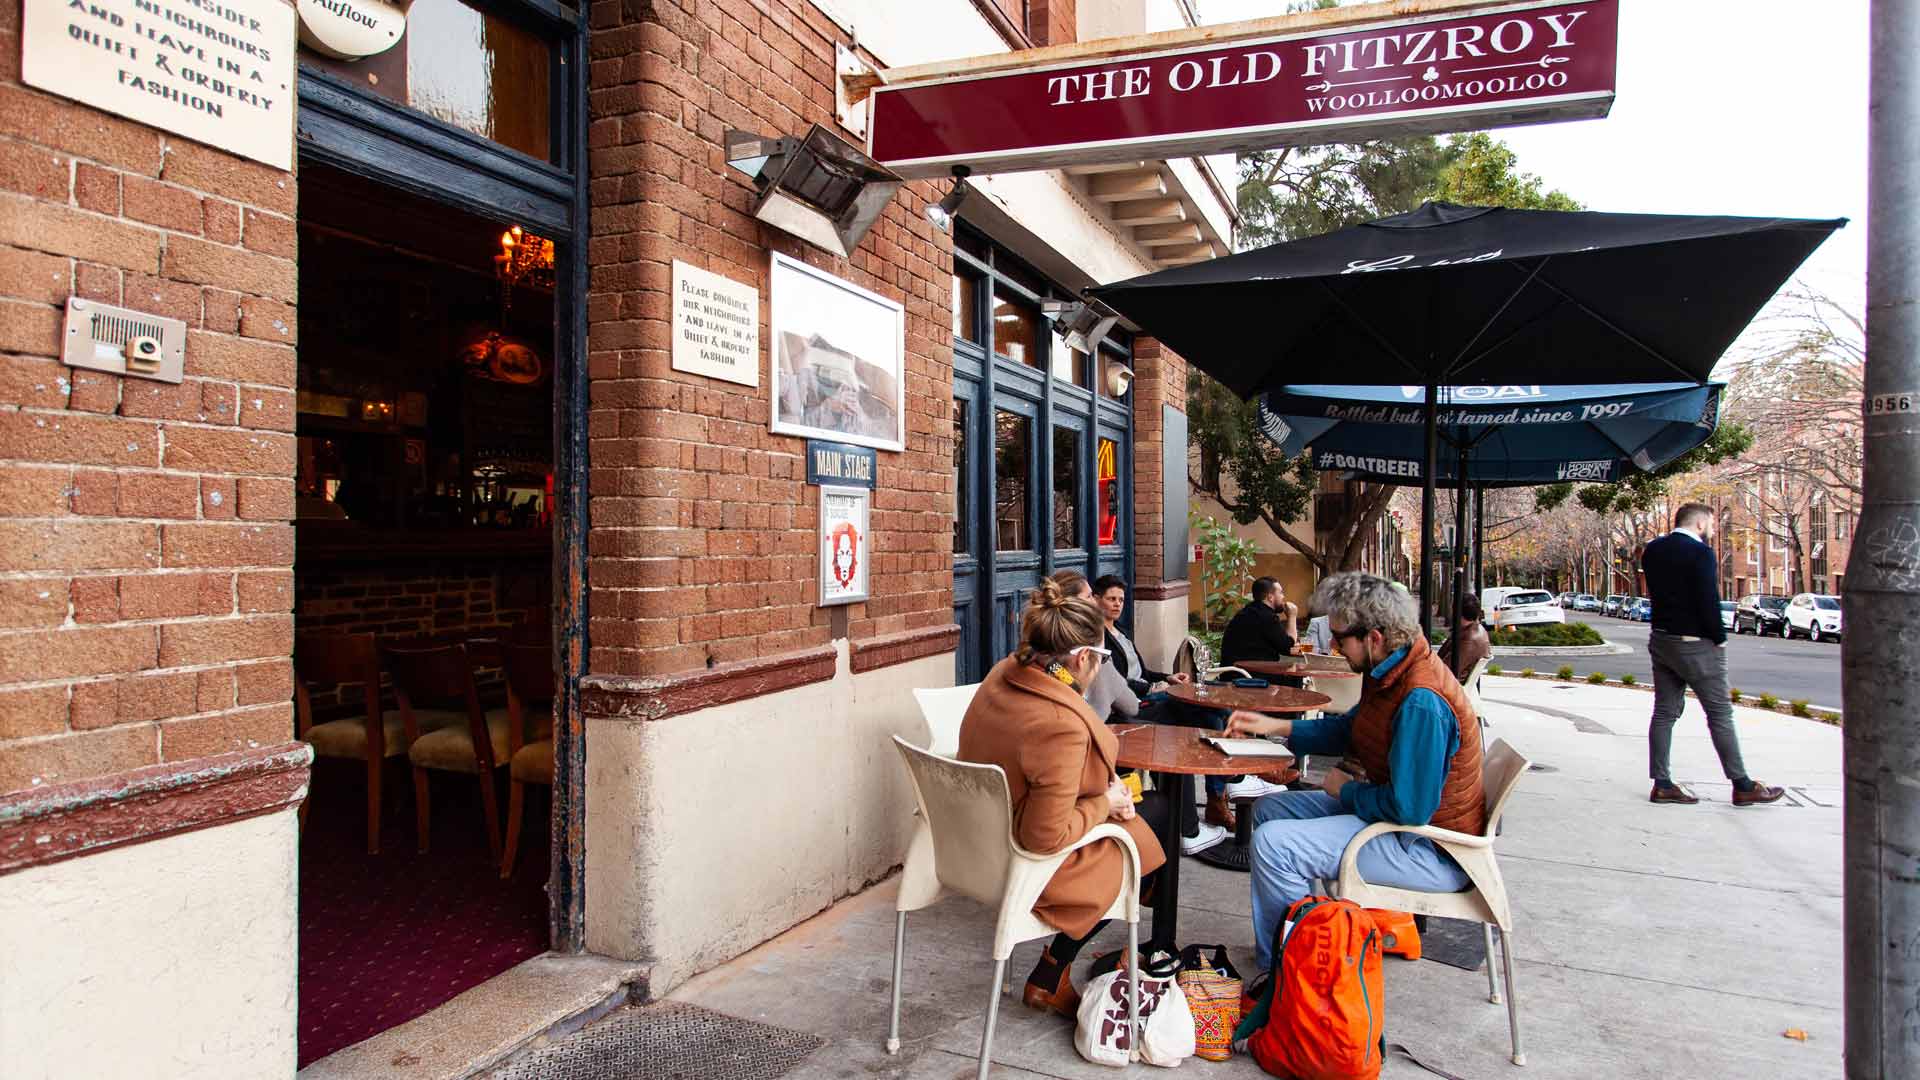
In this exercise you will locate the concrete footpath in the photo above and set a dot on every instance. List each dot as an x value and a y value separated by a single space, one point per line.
1652 941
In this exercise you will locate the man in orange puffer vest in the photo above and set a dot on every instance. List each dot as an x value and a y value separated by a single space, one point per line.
1415 739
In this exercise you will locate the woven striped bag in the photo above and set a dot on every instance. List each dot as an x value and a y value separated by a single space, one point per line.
1213 994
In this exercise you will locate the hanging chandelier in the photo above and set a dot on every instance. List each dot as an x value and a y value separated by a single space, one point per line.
525 259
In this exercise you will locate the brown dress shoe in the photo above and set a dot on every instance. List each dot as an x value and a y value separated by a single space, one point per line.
1059 998
1759 793
1220 810
1674 794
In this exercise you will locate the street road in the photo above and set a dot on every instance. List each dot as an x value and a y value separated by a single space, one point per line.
1755 665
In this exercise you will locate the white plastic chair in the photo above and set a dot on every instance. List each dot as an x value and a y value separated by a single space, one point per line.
944 707
1471 684
1485 902
969 815
1229 672
1344 693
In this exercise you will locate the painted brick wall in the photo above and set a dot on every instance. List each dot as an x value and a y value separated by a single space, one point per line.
1160 378
145 550
704 530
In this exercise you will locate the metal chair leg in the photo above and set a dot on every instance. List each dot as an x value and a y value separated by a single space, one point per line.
1493 986
1133 990
993 1015
899 951
1513 1002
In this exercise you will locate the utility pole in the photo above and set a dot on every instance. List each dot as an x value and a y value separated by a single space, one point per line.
1880 659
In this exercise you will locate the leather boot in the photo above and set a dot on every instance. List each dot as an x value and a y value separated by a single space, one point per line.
1060 997
1219 810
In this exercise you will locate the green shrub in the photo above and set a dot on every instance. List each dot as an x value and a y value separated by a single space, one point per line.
1596 677
1549 634
1526 673
1799 706
1768 701
1493 669
1565 672
1826 717
1734 694
1628 679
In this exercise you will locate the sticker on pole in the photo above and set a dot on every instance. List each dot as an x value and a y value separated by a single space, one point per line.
1900 402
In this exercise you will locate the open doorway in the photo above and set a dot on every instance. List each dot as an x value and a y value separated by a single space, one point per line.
426 511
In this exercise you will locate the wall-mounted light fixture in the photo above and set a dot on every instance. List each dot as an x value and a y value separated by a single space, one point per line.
942 212
1084 323
820 188
1119 378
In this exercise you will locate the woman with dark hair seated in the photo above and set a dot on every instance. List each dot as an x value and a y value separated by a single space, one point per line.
1030 717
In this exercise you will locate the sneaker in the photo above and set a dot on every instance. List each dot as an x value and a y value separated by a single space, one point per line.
1253 787
1208 836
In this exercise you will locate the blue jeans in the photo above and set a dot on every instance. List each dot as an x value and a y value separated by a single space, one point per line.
1298 836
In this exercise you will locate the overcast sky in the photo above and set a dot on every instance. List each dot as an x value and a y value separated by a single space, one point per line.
1724 107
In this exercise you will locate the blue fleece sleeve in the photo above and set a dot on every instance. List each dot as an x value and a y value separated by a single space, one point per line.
1324 735
1425 737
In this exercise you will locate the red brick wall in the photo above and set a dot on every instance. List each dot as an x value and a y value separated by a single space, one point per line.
145 550
1053 22
1160 378
703 528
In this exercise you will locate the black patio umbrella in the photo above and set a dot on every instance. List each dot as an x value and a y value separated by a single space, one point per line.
1450 294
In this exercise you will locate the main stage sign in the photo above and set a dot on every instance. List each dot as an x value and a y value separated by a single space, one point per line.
1496 66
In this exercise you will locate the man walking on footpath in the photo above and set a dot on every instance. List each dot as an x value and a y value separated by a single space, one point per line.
1688 648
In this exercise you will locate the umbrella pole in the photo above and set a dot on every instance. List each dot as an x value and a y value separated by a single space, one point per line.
1479 540
1426 508
1459 552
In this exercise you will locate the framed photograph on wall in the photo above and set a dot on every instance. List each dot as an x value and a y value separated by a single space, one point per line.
839 359
846 547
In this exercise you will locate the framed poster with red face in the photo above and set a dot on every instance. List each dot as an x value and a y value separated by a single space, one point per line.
846 552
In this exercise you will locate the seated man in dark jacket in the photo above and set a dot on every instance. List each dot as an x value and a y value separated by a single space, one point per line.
1263 630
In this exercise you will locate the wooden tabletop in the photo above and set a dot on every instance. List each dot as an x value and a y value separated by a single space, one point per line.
1167 748
1293 669
1271 699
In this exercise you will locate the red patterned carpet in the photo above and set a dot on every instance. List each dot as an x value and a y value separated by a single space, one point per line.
386 938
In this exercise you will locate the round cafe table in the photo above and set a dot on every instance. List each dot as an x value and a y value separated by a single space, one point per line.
1174 755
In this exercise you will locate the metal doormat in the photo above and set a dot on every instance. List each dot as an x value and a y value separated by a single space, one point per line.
666 1041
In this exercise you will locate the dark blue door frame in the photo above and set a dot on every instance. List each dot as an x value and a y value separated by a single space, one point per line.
989 585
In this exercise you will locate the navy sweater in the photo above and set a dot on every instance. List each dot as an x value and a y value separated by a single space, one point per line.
1684 585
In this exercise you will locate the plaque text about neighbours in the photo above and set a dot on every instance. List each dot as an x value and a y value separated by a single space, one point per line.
215 71
716 326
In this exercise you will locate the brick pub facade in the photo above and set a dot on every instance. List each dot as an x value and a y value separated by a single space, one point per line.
156 563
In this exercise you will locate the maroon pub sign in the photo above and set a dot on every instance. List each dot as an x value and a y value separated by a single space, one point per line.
1519 63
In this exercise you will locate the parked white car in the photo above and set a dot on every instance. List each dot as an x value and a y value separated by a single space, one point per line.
1525 607
1726 614
1813 616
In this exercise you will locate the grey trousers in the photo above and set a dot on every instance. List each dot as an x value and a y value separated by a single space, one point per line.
1701 665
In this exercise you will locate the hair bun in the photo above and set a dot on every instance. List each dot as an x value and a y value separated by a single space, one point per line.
1047 594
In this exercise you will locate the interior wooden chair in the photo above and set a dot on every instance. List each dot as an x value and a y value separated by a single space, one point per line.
435 674
530 696
324 659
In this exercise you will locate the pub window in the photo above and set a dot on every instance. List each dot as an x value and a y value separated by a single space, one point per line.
961 503
1016 331
466 67
1107 489
1070 365
1013 456
1066 488
966 306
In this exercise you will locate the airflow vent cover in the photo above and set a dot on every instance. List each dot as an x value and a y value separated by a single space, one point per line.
123 341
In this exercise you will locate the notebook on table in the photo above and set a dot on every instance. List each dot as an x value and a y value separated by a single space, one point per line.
1246 747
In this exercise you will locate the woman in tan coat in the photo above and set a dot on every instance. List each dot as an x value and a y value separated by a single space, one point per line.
1031 718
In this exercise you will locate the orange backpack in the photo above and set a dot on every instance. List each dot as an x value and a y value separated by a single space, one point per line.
1323 1015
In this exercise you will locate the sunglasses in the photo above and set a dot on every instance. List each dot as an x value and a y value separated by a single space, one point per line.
1350 632
1078 649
